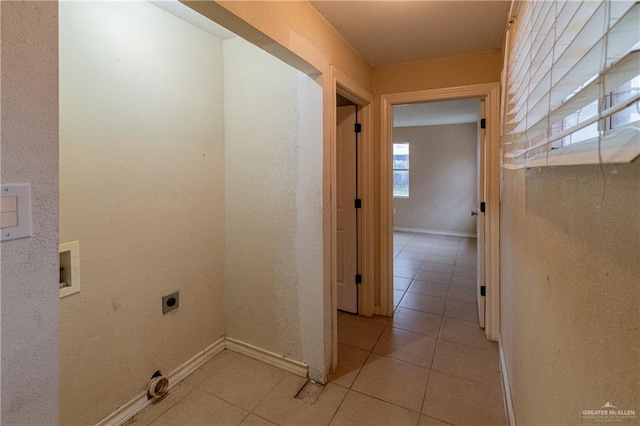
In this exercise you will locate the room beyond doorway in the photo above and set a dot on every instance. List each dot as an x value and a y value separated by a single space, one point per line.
491 203
438 184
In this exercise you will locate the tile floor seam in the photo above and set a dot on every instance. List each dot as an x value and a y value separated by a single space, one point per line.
351 346
426 312
433 359
424 394
460 319
245 417
170 406
468 345
339 405
385 401
460 377
227 401
251 413
361 368
267 394
402 360
428 282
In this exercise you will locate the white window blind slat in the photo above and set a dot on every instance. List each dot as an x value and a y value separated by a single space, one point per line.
620 73
626 103
573 77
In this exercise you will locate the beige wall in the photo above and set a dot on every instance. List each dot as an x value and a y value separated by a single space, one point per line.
273 200
570 244
142 189
429 74
29 267
442 178
294 29
569 258
435 73
296 33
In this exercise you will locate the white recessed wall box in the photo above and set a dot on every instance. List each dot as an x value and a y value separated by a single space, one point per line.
15 211
69 268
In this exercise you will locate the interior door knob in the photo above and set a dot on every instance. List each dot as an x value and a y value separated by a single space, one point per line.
474 213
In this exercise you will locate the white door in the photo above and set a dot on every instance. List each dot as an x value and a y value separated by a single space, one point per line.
481 196
347 219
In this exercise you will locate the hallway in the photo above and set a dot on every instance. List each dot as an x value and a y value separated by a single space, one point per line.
429 365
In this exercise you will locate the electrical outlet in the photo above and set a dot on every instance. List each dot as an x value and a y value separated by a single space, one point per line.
170 302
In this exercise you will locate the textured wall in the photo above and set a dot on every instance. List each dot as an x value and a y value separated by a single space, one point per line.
142 189
442 178
290 31
273 217
29 152
570 244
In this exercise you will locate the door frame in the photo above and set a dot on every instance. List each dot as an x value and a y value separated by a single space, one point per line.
491 93
346 87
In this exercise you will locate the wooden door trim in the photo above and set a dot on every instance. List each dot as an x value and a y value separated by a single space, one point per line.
342 85
491 93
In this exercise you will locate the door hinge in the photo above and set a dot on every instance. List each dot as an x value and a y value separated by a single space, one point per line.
483 123
482 207
358 278
483 290
357 128
358 203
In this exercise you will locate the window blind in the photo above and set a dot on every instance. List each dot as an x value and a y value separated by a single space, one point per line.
572 83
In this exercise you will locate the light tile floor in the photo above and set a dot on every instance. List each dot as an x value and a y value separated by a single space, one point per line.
428 365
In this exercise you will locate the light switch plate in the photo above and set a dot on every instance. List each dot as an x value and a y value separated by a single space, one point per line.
16 196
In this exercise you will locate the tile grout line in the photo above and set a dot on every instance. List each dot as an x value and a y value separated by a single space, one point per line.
433 359
267 394
431 369
386 402
168 408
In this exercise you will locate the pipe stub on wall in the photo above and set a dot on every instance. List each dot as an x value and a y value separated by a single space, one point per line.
158 386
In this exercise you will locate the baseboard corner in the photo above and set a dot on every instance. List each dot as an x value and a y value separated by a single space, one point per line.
140 402
295 367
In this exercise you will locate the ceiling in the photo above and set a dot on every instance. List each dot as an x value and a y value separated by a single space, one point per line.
390 32
401 31
436 113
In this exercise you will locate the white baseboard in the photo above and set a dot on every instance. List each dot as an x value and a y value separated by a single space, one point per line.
125 412
435 232
140 402
200 359
506 386
295 367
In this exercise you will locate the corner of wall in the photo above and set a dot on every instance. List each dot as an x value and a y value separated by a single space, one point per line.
29 153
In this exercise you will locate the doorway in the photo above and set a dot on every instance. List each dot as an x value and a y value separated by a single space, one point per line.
438 184
354 103
489 218
347 204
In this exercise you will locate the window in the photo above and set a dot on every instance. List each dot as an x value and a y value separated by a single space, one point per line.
628 115
401 170
572 83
